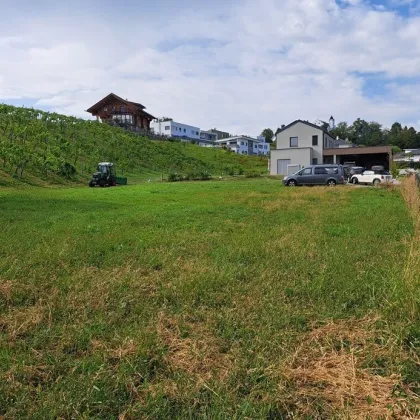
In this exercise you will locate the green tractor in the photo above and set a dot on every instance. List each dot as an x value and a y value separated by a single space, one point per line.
105 177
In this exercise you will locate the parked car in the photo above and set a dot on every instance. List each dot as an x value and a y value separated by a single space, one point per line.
330 175
353 170
371 177
377 168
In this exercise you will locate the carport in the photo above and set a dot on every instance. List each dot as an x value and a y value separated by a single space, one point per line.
360 156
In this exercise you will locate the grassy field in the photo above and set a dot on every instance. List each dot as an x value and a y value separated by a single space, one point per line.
217 299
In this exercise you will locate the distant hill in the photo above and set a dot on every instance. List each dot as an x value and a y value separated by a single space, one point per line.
42 148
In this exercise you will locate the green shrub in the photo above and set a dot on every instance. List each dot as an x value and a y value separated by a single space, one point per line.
67 170
252 174
174 177
240 171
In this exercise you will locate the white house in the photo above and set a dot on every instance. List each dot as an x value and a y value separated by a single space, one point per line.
245 145
172 128
408 155
302 144
299 144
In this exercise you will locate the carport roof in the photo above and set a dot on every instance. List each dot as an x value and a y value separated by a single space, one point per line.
357 150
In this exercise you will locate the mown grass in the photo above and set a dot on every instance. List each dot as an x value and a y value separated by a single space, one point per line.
211 299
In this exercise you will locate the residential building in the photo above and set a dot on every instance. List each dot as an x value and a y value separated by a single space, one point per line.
245 145
208 136
220 134
408 155
302 143
112 108
171 128
207 139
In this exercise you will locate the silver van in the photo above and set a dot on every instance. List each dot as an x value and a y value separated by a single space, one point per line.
330 175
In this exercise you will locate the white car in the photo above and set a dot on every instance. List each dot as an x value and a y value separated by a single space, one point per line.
371 178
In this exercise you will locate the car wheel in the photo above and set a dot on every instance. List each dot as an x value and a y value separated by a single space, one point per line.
331 183
292 183
355 181
376 182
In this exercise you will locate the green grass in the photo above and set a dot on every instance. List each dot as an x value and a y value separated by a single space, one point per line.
189 299
38 147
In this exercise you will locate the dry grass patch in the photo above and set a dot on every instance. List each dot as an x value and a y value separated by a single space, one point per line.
411 277
19 321
331 364
195 352
6 290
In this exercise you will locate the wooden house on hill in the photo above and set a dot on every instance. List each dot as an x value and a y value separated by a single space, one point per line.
113 108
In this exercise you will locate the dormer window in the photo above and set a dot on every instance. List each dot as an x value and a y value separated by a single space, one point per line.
122 108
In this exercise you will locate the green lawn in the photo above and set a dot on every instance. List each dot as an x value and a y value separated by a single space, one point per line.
212 299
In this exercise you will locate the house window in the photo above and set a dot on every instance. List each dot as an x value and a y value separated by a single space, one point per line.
315 162
196 133
106 109
293 141
114 108
242 143
167 127
314 140
122 108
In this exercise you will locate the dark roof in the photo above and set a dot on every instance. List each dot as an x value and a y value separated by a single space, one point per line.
303 122
357 150
114 96
331 118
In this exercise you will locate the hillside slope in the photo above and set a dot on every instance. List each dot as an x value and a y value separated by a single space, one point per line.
37 145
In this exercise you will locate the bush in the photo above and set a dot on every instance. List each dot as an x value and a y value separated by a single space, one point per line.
197 176
240 171
173 177
66 169
394 170
252 174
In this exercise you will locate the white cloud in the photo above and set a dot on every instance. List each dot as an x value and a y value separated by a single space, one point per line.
269 63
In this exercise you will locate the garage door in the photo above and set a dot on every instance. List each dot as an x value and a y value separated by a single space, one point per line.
282 166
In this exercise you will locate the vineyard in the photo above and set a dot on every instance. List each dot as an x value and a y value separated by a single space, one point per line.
57 148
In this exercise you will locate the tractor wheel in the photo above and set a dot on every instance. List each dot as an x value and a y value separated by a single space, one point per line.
91 184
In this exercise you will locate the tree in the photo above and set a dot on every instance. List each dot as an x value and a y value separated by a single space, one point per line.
341 130
268 134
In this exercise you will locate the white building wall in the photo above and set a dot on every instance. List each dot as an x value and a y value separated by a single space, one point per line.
297 156
304 134
245 145
175 129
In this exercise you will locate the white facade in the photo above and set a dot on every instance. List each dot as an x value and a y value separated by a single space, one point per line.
244 145
175 129
297 145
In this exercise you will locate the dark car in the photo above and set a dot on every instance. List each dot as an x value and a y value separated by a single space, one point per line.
330 175
354 170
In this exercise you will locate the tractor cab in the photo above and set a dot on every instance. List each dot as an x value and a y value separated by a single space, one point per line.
105 176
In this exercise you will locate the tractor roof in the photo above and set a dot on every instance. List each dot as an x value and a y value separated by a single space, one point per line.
106 164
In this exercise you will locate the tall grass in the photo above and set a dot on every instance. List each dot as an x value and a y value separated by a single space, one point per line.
411 273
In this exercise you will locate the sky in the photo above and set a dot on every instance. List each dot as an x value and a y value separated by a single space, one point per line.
235 65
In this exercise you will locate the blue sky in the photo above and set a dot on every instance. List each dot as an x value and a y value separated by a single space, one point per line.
238 65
